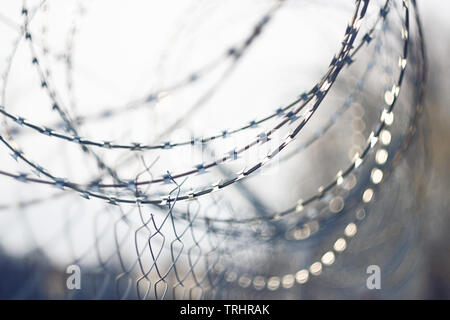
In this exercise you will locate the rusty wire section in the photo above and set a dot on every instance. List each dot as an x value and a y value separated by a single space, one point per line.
259 209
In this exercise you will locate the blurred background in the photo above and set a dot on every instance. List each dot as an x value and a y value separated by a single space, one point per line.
436 123
103 54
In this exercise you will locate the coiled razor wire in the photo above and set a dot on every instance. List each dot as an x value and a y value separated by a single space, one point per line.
259 207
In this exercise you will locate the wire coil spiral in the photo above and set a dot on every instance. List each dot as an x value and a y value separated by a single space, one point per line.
259 206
